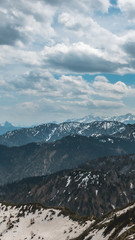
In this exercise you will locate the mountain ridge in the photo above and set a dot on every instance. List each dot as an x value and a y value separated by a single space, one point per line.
95 188
33 221
37 159
126 119
52 132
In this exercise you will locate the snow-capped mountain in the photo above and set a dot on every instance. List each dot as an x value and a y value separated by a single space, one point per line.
127 119
86 119
52 132
32 221
7 127
95 188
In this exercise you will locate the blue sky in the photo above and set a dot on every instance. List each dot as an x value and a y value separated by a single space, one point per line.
66 59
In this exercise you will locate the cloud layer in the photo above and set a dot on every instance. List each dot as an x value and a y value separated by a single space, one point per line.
46 49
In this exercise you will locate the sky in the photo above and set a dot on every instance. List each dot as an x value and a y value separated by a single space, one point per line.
66 59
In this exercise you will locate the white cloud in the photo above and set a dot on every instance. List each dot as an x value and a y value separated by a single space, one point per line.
127 7
41 39
11 55
106 89
108 104
84 5
66 95
80 57
23 20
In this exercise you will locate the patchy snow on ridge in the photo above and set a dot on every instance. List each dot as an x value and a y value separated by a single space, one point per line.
27 222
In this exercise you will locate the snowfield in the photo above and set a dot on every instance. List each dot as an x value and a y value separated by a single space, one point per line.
26 222
32 221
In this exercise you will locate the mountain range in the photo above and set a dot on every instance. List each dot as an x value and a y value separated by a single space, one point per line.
93 188
87 166
37 159
127 119
52 132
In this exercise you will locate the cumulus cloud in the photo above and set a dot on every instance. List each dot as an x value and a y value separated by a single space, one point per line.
70 90
84 5
66 96
44 84
40 40
103 104
20 21
17 58
9 35
89 49
129 47
104 88
127 7
80 58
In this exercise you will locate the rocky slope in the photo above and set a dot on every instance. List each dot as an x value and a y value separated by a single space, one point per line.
39 159
117 225
128 133
52 132
92 189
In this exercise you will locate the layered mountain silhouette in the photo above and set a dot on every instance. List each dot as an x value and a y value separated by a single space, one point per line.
52 132
94 188
37 159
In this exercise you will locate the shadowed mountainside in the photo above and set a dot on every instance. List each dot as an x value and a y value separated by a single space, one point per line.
92 189
39 159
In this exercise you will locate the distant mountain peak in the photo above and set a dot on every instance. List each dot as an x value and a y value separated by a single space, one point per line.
128 118
6 127
8 124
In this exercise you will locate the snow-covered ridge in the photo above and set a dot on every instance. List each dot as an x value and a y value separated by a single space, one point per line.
35 222
117 225
52 132
127 119
32 222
